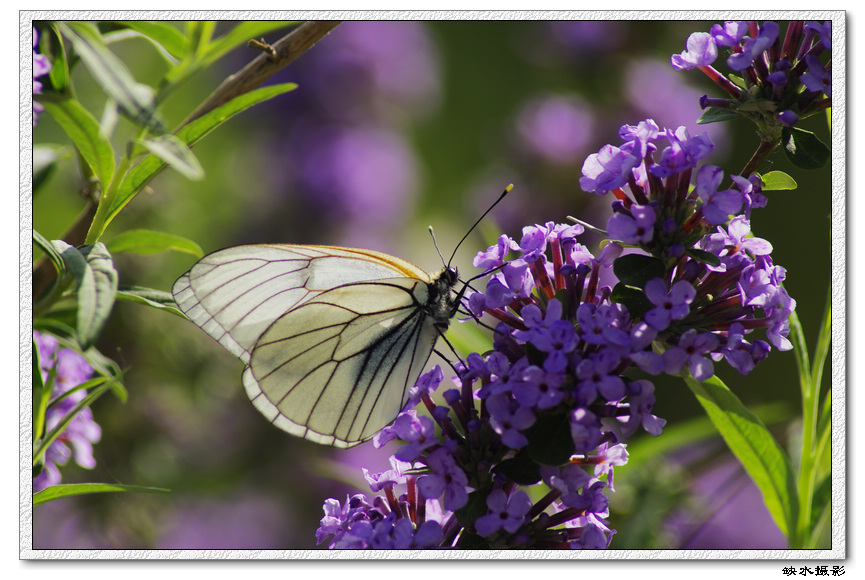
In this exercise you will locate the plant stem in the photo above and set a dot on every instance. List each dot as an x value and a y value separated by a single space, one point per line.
760 155
265 65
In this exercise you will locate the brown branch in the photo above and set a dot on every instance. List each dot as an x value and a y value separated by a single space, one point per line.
285 50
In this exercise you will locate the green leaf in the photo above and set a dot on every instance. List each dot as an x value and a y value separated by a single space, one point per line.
704 256
778 180
83 129
521 470
141 175
149 297
633 299
804 149
59 74
637 269
94 273
550 442
151 242
70 489
474 508
754 446
162 34
136 100
717 115
51 252
176 154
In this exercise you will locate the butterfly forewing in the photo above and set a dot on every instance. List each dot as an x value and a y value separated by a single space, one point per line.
236 293
333 337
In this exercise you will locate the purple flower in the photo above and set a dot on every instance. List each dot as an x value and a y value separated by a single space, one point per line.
683 152
823 30
512 281
596 375
417 431
505 513
568 480
691 350
817 78
72 369
701 51
541 388
426 384
41 67
669 306
602 325
717 205
555 128
636 228
494 256
509 419
730 33
607 169
558 342
753 47
446 478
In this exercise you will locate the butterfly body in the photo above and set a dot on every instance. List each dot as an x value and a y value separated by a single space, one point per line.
333 338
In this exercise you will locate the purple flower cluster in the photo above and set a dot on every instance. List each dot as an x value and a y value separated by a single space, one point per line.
41 67
552 397
464 483
782 79
71 369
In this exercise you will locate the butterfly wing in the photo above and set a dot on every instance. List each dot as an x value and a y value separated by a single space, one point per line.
236 293
333 338
338 368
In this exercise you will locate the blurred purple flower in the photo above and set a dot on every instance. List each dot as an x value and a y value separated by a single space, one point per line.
373 68
657 91
555 128
367 174
41 67
80 434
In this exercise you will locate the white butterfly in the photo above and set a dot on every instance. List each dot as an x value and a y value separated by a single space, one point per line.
333 338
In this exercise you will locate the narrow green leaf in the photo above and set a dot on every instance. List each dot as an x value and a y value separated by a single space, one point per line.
717 115
135 99
176 154
804 149
51 252
637 269
704 256
152 242
141 175
149 297
778 180
59 73
94 273
71 489
162 34
754 446
83 129
58 429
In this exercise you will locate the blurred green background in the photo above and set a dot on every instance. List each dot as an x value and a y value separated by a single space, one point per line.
395 127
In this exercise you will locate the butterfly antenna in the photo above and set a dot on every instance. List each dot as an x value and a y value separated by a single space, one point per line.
495 203
436 244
